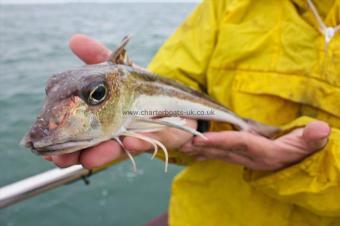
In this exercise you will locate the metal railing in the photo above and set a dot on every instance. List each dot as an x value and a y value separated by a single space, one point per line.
39 183
43 182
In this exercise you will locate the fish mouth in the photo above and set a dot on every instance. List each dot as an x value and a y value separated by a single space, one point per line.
63 147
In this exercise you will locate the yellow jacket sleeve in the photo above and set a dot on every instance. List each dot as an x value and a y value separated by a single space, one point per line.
185 56
313 183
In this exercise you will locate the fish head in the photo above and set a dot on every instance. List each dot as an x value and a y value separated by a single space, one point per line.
81 109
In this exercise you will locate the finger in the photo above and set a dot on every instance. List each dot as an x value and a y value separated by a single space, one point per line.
66 160
315 134
189 149
243 143
101 154
228 140
48 158
213 153
171 138
242 160
229 156
88 50
195 152
136 146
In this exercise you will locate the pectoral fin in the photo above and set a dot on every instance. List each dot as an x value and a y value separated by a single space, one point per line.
143 127
174 122
151 125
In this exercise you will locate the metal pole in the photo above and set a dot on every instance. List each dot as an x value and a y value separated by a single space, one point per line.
37 184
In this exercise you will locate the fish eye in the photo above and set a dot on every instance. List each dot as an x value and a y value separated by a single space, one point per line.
97 94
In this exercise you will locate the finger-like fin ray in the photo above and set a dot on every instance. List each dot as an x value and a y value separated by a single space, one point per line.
174 122
154 142
134 166
140 126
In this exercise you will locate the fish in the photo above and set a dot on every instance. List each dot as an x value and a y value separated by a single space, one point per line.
91 104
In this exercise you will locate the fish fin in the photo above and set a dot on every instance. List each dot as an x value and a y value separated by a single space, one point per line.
138 126
134 166
174 122
262 129
145 138
155 144
119 56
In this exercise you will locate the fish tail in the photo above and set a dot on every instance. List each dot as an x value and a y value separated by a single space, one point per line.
262 129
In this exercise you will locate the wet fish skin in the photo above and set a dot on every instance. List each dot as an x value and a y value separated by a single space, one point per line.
69 122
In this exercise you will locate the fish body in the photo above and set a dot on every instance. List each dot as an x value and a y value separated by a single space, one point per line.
94 103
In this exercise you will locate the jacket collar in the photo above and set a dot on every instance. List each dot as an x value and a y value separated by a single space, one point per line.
323 6
327 9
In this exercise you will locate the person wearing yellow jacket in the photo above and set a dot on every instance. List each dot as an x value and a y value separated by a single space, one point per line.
277 62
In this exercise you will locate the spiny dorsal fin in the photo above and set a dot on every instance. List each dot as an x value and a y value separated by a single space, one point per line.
119 56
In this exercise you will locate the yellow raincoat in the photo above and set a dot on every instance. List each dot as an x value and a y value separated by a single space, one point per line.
266 60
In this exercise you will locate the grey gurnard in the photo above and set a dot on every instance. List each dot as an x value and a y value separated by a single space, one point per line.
95 103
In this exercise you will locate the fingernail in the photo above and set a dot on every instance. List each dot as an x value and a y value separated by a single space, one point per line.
324 132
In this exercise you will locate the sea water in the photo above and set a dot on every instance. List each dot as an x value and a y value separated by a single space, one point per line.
34 45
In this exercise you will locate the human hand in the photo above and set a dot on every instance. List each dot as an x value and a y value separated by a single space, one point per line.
257 152
92 52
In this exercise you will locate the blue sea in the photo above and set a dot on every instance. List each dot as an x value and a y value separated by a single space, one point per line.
34 45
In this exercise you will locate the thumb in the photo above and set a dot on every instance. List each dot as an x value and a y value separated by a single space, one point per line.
88 50
315 134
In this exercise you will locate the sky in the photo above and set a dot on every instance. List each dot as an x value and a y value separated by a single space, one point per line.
68 1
